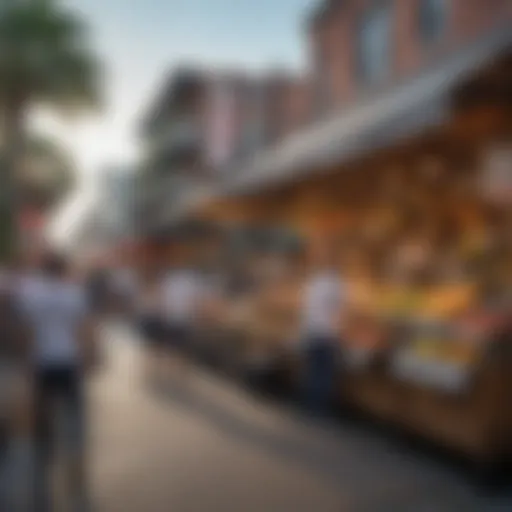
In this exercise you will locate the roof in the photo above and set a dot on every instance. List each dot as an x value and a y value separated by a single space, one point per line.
374 122
176 78
185 76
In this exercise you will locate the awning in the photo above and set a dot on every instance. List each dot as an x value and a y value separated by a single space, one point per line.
377 121
374 122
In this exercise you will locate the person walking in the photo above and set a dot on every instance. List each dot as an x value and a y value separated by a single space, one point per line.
124 284
64 350
152 328
98 291
321 309
15 396
181 294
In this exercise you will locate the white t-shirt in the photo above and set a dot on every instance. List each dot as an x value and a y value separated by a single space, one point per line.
181 292
55 310
322 302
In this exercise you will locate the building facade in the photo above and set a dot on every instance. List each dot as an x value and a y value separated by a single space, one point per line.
379 72
203 126
361 47
114 219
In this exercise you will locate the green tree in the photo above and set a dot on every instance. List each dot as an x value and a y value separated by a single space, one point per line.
45 60
47 173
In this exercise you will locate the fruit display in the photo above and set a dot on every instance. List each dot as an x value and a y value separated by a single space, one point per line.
449 300
445 350
397 302
438 356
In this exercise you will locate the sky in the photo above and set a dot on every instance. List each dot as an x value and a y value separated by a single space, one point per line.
140 41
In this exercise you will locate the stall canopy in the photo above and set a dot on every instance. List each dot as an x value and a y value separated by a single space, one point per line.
374 122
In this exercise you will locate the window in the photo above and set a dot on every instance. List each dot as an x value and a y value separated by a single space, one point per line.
432 17
253 129
322 89
374 59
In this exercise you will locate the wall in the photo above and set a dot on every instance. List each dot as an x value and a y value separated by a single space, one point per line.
288 106
333 35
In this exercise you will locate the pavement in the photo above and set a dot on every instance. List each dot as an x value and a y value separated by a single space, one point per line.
211 446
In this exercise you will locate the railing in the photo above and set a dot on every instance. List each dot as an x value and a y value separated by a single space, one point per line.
159 195
179 133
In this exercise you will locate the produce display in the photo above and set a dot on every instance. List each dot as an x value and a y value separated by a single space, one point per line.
425 262
437 358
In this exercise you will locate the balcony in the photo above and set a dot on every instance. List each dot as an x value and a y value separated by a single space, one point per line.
178 145
157 195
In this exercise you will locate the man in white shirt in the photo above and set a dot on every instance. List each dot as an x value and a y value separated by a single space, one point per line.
62 352
181 293
322 304
180 297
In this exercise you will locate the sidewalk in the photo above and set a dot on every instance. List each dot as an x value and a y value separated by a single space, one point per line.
214 447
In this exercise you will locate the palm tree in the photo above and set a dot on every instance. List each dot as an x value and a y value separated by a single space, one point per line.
46 174
45 59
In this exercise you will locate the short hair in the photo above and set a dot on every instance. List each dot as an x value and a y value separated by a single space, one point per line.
55 264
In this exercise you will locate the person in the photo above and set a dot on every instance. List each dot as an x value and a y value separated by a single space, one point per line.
124 285
64 350
151 326
15 416
321 309
209 300
181 292
98 290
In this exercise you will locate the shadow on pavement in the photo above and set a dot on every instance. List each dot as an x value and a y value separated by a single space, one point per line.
375 467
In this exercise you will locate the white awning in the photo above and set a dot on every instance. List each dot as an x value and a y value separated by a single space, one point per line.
374 122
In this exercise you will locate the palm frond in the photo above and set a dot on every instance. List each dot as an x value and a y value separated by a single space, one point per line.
45 53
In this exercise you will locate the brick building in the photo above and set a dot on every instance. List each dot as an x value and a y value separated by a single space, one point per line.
188 132
380 73
205 124
365 46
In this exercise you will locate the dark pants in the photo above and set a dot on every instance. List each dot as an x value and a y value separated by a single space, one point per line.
320 372
59 411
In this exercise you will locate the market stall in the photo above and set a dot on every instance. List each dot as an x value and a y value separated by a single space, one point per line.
423 230
426 343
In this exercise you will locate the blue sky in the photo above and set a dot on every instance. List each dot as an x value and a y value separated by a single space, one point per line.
140 40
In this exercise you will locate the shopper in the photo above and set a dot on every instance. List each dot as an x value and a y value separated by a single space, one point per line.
15 414
98 291
181 292
64 350
322 306
124 284
152 327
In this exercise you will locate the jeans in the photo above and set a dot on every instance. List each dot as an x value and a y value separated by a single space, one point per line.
320 373
60 422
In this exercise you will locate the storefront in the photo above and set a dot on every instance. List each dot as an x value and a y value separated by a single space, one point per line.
415 189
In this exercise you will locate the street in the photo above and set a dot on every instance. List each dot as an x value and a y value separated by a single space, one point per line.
212 446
